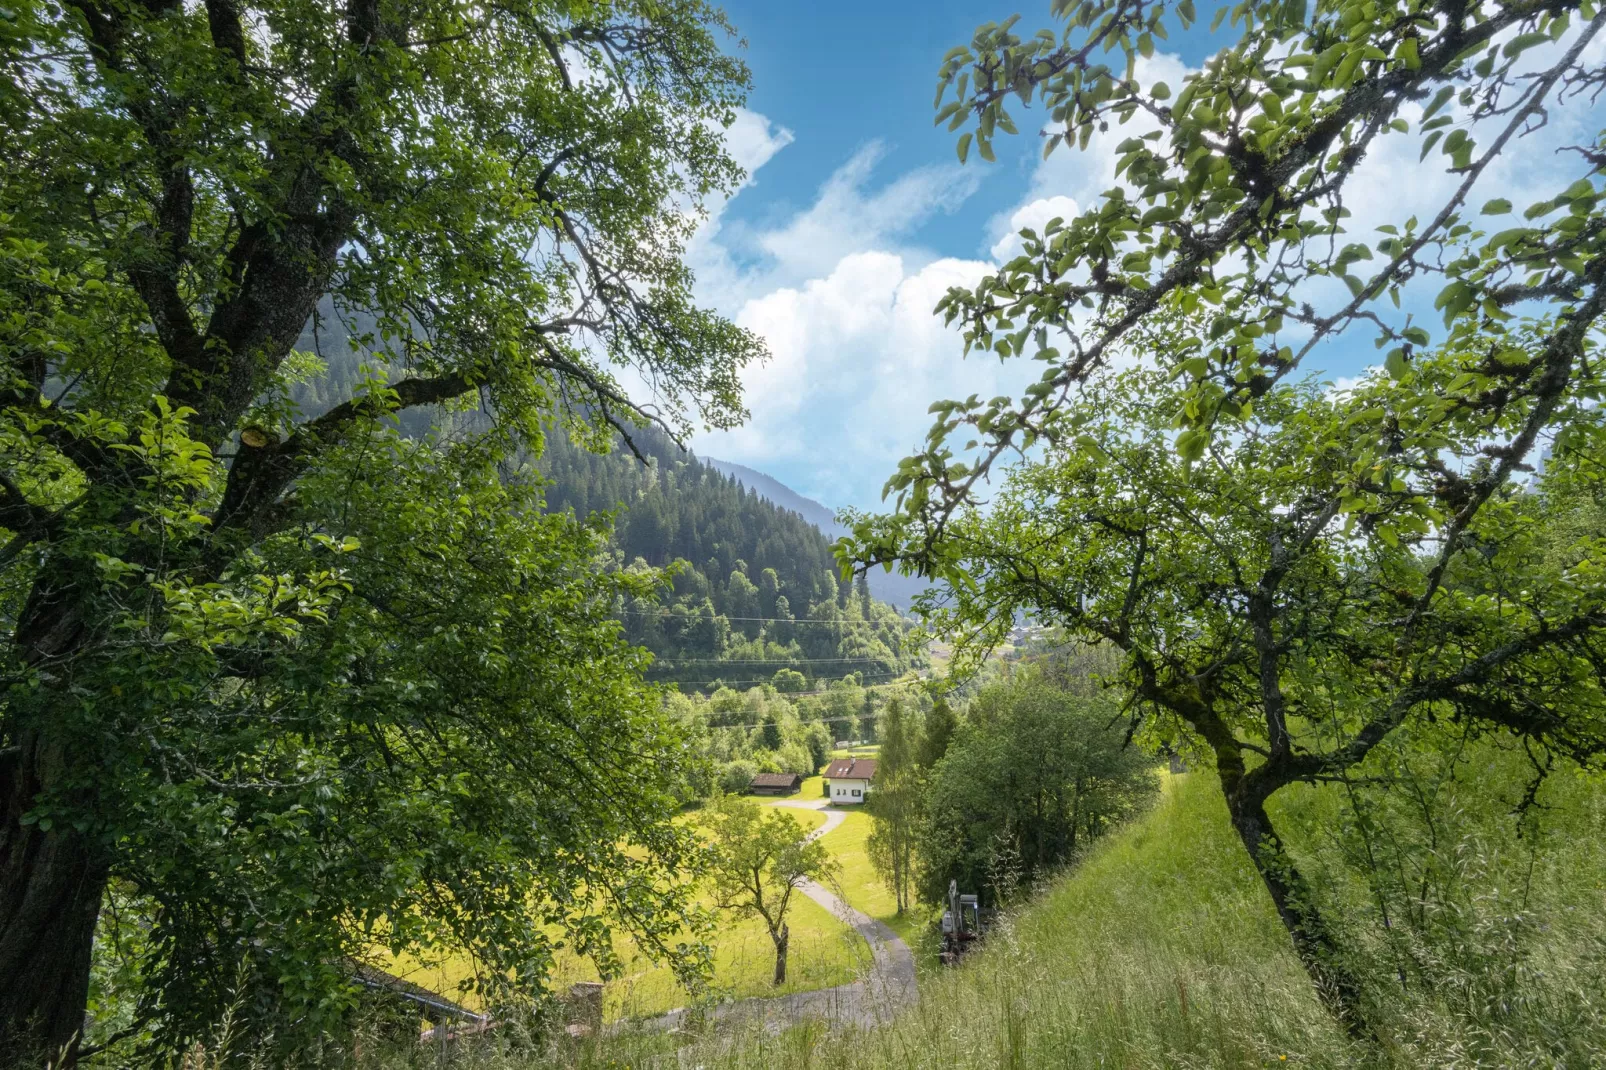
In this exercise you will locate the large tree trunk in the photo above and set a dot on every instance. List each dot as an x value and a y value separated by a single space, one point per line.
1312 938
782 939
51 882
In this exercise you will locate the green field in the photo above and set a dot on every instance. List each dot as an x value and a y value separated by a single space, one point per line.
1161 950
823 953
860 885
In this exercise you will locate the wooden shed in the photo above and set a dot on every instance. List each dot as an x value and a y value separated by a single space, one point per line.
776 784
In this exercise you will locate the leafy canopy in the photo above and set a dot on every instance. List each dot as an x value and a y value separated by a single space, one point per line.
1290 572
301 688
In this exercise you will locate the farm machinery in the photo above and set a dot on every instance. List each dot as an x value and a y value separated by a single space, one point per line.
962 925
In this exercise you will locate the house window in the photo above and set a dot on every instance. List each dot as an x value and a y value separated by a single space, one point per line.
855 793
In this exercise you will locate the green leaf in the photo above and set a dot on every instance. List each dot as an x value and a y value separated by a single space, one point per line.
1522 42
1395 363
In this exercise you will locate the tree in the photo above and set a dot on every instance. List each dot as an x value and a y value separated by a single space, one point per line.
212 677
1291 574
894 805
939 732
760 857
818 739
1044 773
737 777
770 732
842 701
788 681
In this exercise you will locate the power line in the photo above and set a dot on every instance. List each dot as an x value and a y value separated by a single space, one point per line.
900 622
782 661
805 723
733 684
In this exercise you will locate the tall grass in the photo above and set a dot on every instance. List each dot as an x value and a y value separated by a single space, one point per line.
1161 949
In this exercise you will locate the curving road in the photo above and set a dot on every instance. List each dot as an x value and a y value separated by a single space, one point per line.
887 987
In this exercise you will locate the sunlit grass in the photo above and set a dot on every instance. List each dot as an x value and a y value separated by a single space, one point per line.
823 953
1160 950
861 886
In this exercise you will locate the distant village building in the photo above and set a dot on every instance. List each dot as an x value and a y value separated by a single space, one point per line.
776 784
849 780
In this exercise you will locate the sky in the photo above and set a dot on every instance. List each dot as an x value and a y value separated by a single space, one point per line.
856 217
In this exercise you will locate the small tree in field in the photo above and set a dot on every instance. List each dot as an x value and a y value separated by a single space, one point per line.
760 857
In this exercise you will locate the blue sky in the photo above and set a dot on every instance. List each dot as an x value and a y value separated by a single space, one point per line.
857 217
842 75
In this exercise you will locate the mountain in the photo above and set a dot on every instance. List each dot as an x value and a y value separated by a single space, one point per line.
755 587
588 483
890 587
782 495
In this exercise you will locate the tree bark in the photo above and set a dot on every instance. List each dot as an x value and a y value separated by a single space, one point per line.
1290 893
51 883
782 938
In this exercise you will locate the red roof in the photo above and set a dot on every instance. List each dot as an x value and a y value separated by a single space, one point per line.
851 769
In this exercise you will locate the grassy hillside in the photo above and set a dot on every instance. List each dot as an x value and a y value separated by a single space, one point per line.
1161 949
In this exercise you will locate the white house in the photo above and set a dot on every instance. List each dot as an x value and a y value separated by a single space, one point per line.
849 779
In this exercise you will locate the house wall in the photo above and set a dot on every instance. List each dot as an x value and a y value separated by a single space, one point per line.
849 791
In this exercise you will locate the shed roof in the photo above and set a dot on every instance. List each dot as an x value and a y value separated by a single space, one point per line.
435 1005
777 780
851 769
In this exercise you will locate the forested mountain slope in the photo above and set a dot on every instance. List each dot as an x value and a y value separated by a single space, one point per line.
767 486
755 587
890 587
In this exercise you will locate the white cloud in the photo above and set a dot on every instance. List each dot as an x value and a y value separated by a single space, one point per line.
847 218
845 301
857 359
753 140
1034 215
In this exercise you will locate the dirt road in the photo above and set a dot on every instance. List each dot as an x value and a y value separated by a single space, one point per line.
887 987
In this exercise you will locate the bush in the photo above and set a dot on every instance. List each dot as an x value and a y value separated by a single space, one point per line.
737 777
795 758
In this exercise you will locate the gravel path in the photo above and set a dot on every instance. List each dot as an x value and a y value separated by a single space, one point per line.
887 987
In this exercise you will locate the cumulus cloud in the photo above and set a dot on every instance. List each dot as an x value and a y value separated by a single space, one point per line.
848 216
844 297
857 359
1034 216
844 302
